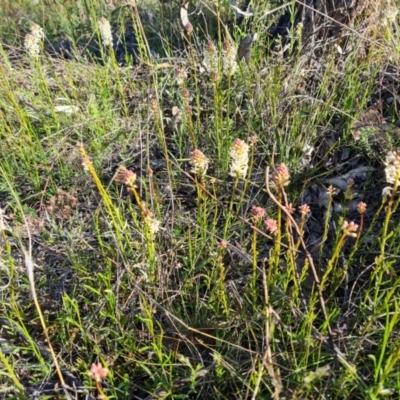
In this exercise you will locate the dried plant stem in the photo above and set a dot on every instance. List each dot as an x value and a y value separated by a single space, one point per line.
29 265
138 21
102 396
267 362
193 61
29 270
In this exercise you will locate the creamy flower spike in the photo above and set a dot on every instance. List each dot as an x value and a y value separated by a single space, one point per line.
240 159
33 40
37 32
181 77
151 222
392 170
105 32
31 46
211 58
199 162
229 59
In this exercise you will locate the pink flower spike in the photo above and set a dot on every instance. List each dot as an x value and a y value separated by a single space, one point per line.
189 28
330 191
97 372
253 139
271 226
361 207
290 208
223 244
281 176
257 213
304 209
350 228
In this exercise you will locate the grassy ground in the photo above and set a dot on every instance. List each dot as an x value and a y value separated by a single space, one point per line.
249 269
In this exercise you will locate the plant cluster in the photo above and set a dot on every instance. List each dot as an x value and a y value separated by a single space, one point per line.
203 225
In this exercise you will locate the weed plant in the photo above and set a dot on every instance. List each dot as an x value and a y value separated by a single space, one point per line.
193 225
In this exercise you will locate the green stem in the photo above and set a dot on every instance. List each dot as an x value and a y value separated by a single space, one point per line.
332 260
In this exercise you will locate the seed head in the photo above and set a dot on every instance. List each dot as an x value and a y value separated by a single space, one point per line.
86 163
214 76
154 107
125 176
181 77
185 94
350 183
188 110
